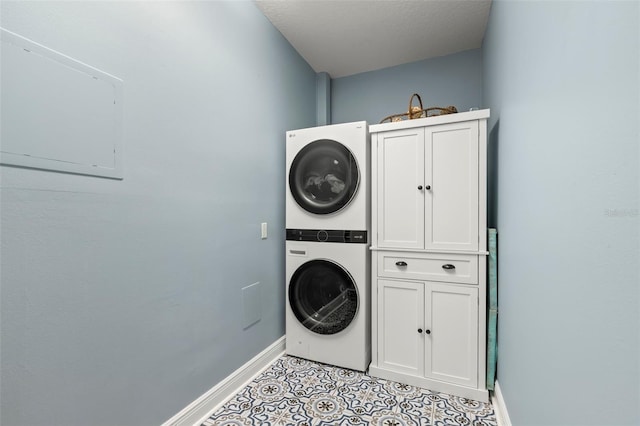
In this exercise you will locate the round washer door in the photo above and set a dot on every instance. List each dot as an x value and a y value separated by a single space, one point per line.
323 296
323 177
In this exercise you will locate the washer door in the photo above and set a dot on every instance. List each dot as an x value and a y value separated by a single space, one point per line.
323 297
323 177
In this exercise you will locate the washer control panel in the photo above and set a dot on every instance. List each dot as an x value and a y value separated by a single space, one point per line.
327 236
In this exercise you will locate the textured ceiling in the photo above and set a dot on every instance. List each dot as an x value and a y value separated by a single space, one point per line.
345 37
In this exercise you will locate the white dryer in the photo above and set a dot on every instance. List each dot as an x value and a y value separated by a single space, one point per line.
328 176
328 298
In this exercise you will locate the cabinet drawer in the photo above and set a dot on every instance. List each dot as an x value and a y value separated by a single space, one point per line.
455 268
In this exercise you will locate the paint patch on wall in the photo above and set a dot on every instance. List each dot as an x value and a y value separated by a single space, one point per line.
251 307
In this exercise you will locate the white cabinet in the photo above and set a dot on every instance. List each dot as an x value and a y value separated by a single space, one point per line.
427 187
429 253
433 319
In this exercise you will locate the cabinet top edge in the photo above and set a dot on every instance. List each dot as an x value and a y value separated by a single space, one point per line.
431 121
422 251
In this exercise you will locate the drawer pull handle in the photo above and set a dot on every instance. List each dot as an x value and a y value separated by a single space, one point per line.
448 266
401 263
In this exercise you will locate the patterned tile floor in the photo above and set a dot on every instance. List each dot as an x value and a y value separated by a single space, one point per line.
295 391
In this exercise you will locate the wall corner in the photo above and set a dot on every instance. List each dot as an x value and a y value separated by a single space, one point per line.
323 99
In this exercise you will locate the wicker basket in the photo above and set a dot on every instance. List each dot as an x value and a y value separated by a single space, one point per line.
419 112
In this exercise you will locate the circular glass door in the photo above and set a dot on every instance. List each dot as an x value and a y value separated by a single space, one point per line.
323 177
323 297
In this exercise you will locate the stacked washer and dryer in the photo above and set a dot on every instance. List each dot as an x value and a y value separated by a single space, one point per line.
328 288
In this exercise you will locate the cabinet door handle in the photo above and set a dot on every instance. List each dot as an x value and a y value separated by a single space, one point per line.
419 331
427 331
420 187
428 187
401 263
448 266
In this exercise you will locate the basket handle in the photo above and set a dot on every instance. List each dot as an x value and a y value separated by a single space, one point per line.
411 115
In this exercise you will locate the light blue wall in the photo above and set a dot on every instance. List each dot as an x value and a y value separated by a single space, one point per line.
121 300
562 81
448 80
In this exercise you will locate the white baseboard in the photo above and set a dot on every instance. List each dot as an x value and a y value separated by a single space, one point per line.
499 407
200 409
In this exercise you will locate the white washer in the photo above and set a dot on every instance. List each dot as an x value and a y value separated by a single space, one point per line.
328 297
328 177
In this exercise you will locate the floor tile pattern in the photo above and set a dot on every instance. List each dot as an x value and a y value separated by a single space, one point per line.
295 391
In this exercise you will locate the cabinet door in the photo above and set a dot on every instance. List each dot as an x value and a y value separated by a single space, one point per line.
400 209
452 341
400 315
451 173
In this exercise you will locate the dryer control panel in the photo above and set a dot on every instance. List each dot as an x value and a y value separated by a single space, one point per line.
327 236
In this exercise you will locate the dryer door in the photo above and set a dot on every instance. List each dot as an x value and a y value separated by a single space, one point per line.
323 177
323 297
